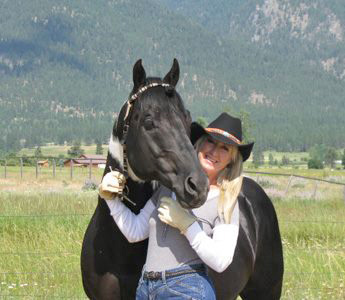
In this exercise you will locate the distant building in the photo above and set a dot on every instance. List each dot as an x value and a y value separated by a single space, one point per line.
85 160
43 163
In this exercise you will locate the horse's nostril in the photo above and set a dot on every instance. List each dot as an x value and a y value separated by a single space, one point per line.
190 185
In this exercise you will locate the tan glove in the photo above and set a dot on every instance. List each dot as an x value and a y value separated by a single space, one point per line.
172 213
112 184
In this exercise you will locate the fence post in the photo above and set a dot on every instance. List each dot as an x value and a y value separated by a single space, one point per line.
90 169
287 188
54 167
36 168
5 168
71 169
21 168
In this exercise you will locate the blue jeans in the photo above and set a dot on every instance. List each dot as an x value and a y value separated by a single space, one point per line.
191 286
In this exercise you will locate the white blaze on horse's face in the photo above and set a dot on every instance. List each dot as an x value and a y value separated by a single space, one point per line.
116 151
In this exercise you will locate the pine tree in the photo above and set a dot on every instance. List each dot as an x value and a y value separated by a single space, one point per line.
99 148
285 160
75 150
38 152
247 126
258 157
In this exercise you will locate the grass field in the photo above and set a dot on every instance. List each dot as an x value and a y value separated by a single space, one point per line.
56 150
43 220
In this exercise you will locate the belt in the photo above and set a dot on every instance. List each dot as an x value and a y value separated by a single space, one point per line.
159 275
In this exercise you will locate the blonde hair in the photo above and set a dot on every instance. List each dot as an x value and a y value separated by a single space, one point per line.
229 181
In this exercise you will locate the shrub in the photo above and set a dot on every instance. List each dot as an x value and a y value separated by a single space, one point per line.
315 163
89 185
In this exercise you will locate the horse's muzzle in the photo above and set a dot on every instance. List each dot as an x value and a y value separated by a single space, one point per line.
195 191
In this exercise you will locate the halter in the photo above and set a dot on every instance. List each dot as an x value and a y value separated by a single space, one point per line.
126 120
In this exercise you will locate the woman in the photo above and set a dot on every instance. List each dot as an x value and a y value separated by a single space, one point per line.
183 242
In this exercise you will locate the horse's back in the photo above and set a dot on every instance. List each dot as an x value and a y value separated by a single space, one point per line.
256 271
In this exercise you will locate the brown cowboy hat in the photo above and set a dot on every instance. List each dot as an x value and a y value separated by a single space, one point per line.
225 129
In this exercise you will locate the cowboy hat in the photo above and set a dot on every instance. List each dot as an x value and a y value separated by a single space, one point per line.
225 129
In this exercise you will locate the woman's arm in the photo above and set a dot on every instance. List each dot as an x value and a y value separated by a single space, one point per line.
216 252
134 227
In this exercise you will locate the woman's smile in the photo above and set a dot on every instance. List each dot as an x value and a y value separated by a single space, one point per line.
211 159
214 156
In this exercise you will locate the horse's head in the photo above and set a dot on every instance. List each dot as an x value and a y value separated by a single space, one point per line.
157 141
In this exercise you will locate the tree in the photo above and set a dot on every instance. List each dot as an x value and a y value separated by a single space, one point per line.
314 163
99 148
202 121
75 150
318 152
285 160
258 157
38 152
330 156
343 159
247 126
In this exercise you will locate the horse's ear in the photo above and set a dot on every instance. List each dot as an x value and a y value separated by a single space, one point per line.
139 75
173 75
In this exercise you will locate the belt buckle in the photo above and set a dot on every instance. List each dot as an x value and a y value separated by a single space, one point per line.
153 275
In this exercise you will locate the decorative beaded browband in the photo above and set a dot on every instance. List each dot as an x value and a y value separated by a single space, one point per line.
135 96
224 133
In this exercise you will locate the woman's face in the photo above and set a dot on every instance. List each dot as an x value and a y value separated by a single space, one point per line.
214 156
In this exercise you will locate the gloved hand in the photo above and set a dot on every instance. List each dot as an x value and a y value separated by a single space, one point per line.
172 213
111 185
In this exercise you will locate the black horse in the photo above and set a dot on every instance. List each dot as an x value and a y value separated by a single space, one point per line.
150 141
159 149
256 272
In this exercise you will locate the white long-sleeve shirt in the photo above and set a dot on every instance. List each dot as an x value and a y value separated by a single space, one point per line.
216 250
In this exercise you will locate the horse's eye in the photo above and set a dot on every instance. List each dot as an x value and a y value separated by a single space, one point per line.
148 123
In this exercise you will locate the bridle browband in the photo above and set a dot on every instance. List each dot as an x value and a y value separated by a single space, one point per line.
126 120
129 107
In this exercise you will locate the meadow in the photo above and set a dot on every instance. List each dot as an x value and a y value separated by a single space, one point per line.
43 220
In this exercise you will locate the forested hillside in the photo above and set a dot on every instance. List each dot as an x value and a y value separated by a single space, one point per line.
65 67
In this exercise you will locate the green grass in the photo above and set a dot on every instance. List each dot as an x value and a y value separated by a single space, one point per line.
45 176
42 223
56 150
313 234
41 242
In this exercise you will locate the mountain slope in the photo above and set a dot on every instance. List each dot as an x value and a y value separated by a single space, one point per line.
66 69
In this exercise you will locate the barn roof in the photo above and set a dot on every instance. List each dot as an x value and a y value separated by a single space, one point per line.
92 156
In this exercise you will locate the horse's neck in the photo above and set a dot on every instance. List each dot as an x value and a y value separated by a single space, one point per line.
139 191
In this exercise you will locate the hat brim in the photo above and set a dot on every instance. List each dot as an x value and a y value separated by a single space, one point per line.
197 131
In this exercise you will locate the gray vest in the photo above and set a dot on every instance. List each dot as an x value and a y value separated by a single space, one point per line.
168 248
